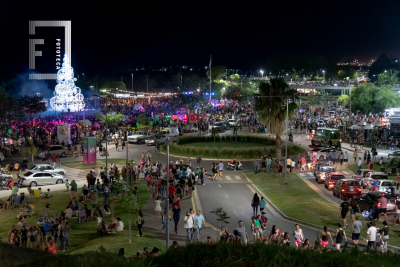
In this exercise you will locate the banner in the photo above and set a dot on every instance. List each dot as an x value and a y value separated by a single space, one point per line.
89 150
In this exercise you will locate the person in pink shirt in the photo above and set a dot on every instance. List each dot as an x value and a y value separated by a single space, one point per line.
382 205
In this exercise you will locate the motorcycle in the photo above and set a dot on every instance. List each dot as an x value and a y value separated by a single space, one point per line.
231 166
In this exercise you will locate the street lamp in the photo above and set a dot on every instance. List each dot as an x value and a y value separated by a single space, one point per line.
262 72
132 82
147 78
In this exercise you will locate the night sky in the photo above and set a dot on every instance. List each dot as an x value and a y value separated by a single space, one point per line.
108 37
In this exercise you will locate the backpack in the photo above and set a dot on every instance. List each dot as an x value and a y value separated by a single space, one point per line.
142 222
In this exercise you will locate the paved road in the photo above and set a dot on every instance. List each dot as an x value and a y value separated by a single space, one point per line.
235 198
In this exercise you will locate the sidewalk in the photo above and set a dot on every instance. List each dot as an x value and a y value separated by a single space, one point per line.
153 225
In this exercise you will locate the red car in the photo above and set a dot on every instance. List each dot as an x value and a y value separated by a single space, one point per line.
332 179
347 188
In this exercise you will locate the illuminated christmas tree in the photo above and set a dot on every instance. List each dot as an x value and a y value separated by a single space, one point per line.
67 95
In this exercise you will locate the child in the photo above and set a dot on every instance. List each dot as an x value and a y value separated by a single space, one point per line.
67 184
48 193
40 192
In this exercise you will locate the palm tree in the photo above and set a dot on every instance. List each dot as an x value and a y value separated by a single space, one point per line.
270 105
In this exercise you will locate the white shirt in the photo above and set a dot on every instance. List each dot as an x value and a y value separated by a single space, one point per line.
372 233
189 223
345 155
120 227
359 162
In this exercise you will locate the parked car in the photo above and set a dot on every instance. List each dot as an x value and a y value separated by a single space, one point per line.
368 200
382 185
360 174
323 153
320 174
170 131
394 155
372 176
49 168
346 188
191 130
35 178
332 178
139 137
326 117
60 151
161 139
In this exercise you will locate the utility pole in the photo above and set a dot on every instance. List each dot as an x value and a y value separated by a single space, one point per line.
132 82
167 206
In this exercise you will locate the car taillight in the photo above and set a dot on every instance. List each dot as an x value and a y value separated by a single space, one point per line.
23 179
379 205
342 190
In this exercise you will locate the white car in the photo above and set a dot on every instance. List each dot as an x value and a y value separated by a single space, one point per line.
326 117
49 168
232 122
35 178
384 185
372 176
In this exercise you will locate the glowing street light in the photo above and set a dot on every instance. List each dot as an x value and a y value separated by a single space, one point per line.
262 72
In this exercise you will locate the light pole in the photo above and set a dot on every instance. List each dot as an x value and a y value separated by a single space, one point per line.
324 76
132 82
167 206
262 72
147 79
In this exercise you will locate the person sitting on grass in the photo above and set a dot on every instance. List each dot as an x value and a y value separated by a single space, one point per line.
107 210
112 225
68 212
102 229
48 193
30 190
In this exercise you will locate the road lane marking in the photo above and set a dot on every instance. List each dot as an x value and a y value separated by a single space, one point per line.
345 172
310 173
238 177
219 185
228 178
302 174
226 195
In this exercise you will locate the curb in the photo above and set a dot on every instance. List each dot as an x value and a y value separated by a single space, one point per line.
205 158
315 226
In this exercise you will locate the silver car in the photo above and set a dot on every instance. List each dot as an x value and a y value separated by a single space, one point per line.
322 154
161 139
320 174
371 177
35 178
49 168
360 174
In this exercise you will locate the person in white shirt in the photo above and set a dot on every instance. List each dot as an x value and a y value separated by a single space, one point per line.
188 225
371 236
359 163
120 225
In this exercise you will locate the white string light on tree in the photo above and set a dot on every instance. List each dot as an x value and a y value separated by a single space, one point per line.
67 95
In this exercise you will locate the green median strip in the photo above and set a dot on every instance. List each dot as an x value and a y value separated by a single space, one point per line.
298 200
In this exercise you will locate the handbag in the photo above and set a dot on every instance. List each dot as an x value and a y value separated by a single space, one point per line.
193 188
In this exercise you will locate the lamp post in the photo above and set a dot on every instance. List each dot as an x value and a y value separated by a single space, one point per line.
147 79
132 82
262 72
167 206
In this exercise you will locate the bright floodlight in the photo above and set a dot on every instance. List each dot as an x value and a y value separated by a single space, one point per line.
67 95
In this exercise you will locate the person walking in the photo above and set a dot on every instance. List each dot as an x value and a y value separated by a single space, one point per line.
343 210
256 164
354 208
359 163
371 236
298 235
355 155
255 202
345 158
242 233
289 164
356 231
139 223
323 239
384 236
188 220
339 237
176 213
74 190
221 168
198 222
382 203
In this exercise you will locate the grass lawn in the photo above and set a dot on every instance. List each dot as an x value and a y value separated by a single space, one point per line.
83 236
376 167
100 163
221 144
300 201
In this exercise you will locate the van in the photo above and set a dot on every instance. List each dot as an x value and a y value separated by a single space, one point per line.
170 131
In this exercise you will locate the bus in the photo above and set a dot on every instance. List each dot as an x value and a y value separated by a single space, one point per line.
322 135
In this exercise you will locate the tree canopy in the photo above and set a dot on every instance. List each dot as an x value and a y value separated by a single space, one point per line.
32 104
369 98
390 77
217 72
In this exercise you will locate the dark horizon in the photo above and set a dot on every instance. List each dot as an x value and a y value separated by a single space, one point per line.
109 39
